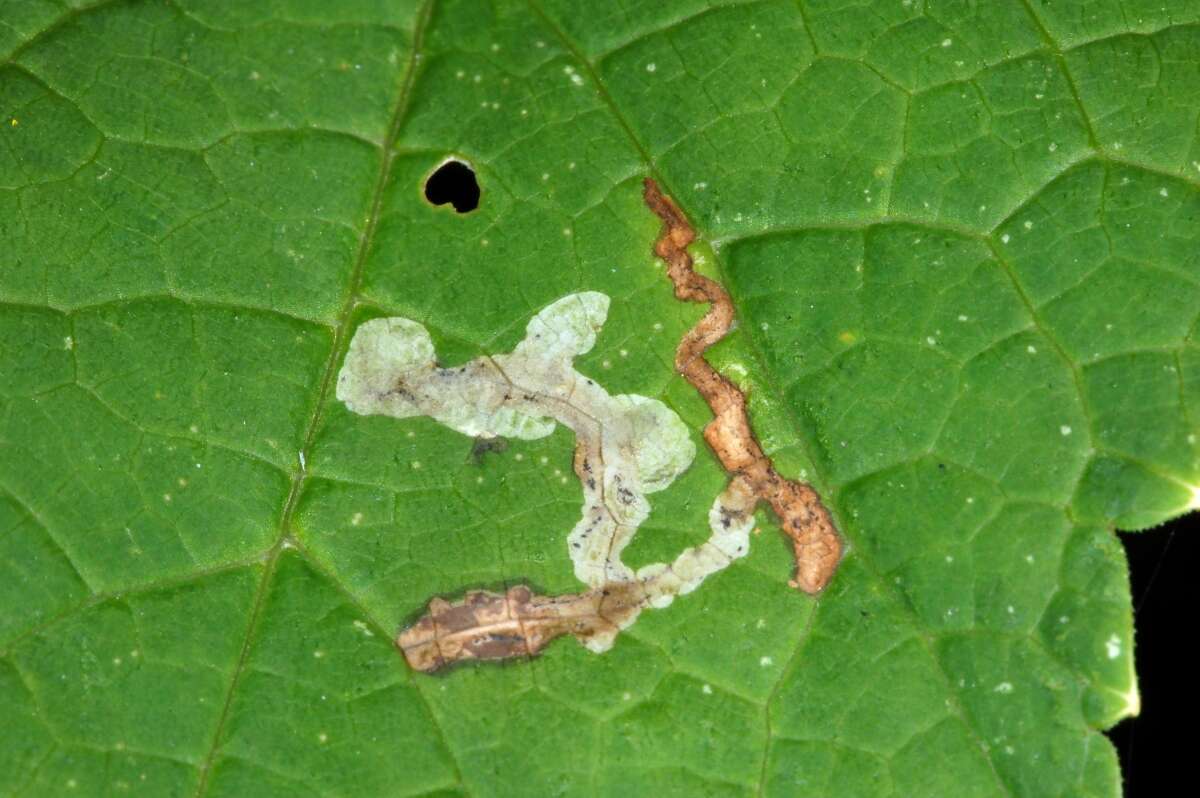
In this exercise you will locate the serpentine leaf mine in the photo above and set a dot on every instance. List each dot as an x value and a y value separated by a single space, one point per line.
803 517
627 447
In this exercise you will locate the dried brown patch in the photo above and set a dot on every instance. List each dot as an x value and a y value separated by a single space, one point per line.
495 626
803 518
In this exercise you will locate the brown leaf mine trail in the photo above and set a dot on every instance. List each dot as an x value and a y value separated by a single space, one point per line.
627 447
803 517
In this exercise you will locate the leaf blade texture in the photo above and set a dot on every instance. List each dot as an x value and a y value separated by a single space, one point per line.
960 240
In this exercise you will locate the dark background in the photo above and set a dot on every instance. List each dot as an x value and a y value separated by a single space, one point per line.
1157 747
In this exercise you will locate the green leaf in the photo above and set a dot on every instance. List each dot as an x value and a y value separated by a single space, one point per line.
961 239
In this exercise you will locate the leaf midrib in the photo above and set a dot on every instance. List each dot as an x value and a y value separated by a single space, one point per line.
387 156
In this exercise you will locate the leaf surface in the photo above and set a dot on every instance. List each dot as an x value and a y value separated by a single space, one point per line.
962 243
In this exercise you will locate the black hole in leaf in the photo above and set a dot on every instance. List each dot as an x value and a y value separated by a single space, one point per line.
453 182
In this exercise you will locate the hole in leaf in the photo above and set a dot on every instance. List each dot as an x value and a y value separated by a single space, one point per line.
453 182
